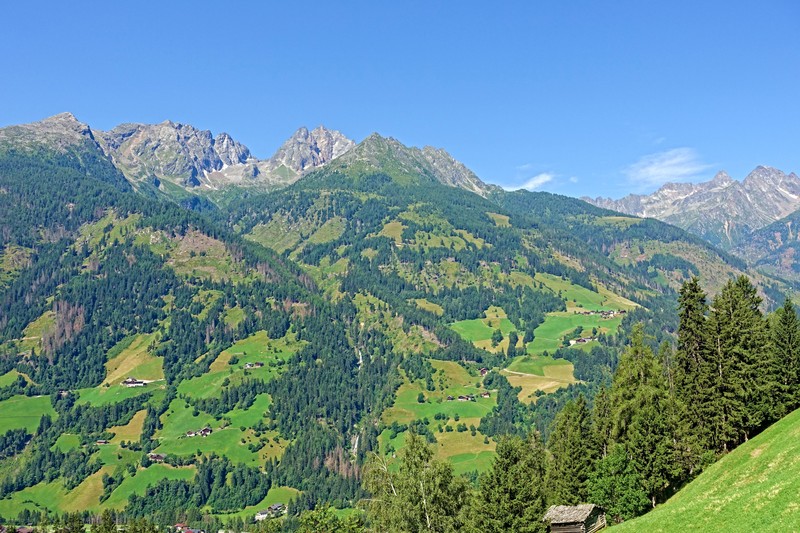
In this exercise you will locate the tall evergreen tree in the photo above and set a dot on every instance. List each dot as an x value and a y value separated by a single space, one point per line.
693 371
742 381
570 445
785 333
640 413
511 496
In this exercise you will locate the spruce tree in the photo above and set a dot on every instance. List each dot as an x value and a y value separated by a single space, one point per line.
785 333
511 496
570 445
693 371
640 411
743 377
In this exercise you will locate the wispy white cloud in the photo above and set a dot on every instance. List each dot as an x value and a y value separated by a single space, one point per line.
676 165
534 183
574 179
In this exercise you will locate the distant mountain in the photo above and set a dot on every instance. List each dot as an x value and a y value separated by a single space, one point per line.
775 249
189 157
384 156
723 210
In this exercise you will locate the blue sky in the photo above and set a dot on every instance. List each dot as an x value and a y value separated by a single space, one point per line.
578 97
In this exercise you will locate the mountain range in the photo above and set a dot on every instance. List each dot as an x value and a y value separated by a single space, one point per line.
300 313
723 211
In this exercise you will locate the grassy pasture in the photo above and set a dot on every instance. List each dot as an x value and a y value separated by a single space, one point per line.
331 230
479 331
536 364
275 495
131 358
548 336
33 332
436 309
501 221
451 379
753 488
144 477
228 441
24 412
393 230
256 348
10 377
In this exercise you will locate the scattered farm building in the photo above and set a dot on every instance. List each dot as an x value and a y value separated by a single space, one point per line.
584 518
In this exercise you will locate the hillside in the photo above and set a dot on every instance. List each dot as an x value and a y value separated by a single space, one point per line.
388 290
753 488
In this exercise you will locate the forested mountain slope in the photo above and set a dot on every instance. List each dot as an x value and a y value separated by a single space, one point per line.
173 361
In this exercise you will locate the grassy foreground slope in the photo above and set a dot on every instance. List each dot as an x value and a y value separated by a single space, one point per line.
754 488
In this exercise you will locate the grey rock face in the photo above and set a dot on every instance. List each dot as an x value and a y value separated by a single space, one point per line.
307 150
722 210
191 157
58 132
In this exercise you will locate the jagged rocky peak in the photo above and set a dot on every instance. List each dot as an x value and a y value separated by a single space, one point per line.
722 179
170 150
306 150
57 132
723 210
230 152
452 172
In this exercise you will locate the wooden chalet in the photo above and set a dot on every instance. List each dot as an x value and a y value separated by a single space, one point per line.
584 518
156 457
133 382
484 371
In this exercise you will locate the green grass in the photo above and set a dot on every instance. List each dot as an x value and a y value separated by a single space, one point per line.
431 307
227 441
479 331
501 221
450 379
32 335
66 442
550 333
535 364
256 348
144 477
275 495
754 488
24 412
331 230
102 395
9 378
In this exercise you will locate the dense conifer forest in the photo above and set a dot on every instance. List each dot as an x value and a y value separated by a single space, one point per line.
297 359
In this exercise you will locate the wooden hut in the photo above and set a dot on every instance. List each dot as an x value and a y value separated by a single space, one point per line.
584 518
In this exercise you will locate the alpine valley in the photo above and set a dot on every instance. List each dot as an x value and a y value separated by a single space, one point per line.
191 334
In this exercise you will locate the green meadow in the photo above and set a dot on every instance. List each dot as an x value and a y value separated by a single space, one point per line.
753 488
24 412
465 451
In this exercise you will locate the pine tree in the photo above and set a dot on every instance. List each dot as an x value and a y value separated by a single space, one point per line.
785 333
616 486
693 371
640 411
743 378
511 496
570 446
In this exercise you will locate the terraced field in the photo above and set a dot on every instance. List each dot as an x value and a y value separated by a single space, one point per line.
467 452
